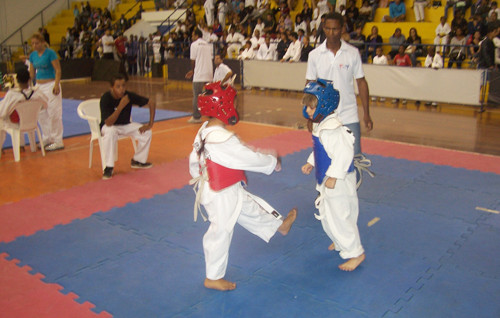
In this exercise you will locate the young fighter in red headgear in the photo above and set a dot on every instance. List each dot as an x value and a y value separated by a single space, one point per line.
217 164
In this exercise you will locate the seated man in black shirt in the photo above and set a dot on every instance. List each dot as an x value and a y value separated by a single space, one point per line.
116 107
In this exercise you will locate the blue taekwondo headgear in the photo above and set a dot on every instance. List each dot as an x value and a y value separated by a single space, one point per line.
328 99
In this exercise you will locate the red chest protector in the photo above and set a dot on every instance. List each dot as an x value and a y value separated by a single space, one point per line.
220 177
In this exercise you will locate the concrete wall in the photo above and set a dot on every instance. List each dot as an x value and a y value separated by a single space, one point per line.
14 13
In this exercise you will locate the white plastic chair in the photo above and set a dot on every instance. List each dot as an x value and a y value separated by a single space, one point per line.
91 111
28 112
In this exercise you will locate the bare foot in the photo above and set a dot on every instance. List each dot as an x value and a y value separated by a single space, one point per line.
331 247
352 263
287 223
219 284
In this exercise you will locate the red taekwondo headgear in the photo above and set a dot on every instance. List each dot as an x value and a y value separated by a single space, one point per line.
218 101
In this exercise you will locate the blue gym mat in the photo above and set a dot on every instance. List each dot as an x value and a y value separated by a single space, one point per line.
431 253
75 126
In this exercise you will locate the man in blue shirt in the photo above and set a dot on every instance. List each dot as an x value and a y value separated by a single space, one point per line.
397 12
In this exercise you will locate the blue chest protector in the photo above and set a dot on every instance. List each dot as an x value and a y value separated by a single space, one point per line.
322 161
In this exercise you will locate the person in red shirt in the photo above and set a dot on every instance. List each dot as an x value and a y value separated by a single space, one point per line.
120 44
401 59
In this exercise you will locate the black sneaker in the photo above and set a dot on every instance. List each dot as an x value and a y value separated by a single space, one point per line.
139 165
108 173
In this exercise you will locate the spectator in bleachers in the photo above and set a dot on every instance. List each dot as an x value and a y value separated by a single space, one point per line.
267 51
374 40
222 10
496 41
306 13
123 23
294 50
401 58
269 24
306 49
442 31
357 39
282 46
320 33
352 11
365 12
63 49
234 40
449 4
493 17
476 24
312 37
418 8
433 59
247 53
396 40
397 12
299 24
132 53
108 44
379 59
414 46
76 12
473 49
458 22
257 41
486 55
322 9
457 50
209 7
494 8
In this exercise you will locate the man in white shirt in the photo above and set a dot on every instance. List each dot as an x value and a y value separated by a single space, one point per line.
442 31
234 40
267 51
108 44
340 62
222 72
201 70
294 49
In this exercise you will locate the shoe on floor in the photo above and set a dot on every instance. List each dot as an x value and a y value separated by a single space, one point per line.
428 104
139 165
374 99
54 146
404 101
193 120
381 99
108 173
434 104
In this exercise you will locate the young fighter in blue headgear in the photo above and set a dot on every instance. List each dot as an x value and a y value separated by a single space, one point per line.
217 164
332 157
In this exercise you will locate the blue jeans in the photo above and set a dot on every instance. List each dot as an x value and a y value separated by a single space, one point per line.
356 130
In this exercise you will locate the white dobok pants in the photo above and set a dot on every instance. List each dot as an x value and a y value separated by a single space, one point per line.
110 135
338 212
50 119
229 206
